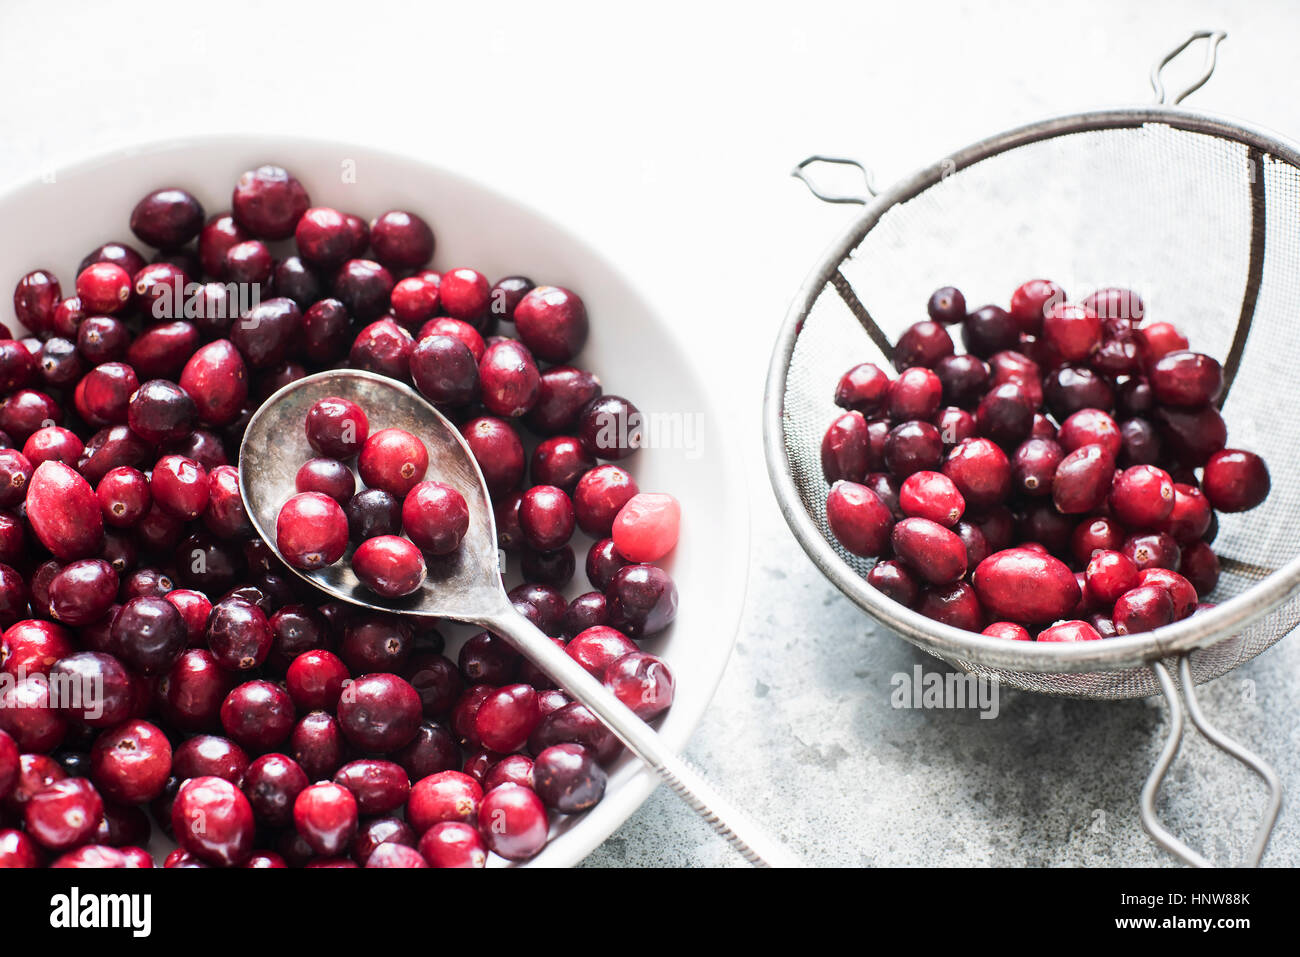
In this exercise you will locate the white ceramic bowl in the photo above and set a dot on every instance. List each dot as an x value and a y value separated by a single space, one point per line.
52 225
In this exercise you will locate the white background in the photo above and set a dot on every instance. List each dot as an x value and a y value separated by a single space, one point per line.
665 135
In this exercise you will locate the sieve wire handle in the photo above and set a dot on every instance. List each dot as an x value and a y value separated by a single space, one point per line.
800 173
1159 833
1215 37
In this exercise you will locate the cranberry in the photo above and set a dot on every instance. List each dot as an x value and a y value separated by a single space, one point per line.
1088 427
965 378
1083 479
954 605
98 691
1192 436
264 335
124 496
1005 414
1069 631
560 461
325 815
509 379
103 288
1162 338
1235 481
980 471
317 744
393 460
239 634
915 394
498 452
64 512
864 388
1142 496
379 787
130 763
35 298
441 797
445 371
311 531
213 821
512 820
989 329
1023 585
922 344
1152 550
1188 379
512 769
326 331
180 487
1034 465
552 323
337 428
160 410
436 517
546 516
192 692
933 551
1071 332
323 238
599 496
395 855
1032 301
1071 388
315 679
297 629
15 473
1143 608
641 600
329 477
1200 566
389 566
268 202
1181 590
1139 443
216 379
373 512
568 779
896 581
486 658
955 425
272 783
259 715
1008 630
379 712
1110 574
82 592
102 339
1114 303
610 427
378 831
64 814
913 447
364 287
376 643
167 218
465 295
53 444
603 563
32 647
431 750
414 302
19 850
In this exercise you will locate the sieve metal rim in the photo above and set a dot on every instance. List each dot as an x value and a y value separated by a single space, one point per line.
1208 628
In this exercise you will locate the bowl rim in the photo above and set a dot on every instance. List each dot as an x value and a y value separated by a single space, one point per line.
1207 628
583 833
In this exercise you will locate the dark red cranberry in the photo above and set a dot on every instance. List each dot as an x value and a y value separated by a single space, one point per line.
436 680
1190 516
28 713
505 512
641 600
546 516
329 477
913 447
433 749
1200 566
317 744
512 769
27 410
315 679
150 634
364 287
1144 608
1139 443
1005 414
326 331
552 323
213 821
35 298
864 388
264 335
376 643
487 659
603 563
324 238
509 380
445 371
1152 550
377 831
1186 379
193 690
1134 398
981 472
379 712
59 364
1191 436
519 826
1083 480
167 218
947 305
507 294
272 784
1109 575
895 580
1071 388
965 379
1235 481
922 344
585 611
102 339
239 634
15 473
498 452
859 520
160 410
561 461
268 202
259 715
447 326
935 552
1033 466
82 592
989 329
373 512
954 605
336 427
98 690
610 427
568 779
573 723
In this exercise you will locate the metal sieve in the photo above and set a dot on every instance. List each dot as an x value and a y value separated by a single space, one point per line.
1200 215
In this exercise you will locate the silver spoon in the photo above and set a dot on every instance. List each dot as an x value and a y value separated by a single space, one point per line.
467 586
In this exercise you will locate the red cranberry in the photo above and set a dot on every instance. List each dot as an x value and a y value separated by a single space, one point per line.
180 487
317 745
1005 414
213 821
603 563
1144 608
192 692
895 580
326 331
337 428
315 680
610 427
915 394
1113 303
329 477
32 647
965 379
1181 590
498 452
364 287
1187 379
53 444
414 301
82 592
433 749
98 691
445 796
436 517
325 815
599 496
373 512
1022 585
64 814
1142 496
1083 480
933 551
379 787
913 447
378 831
560 461
15 473
1162 338
259 715
64 512
1069 631
130 763
465 295
389 566
323 238
641 600
167 218
1032 301
272 784
1152 550
1192 436
124 496
568 779
864 389
103 288
546 516
859 520
379 712
311 531
1110 574
35 298
980 471
395 855
513 822
1089 427
509 379
268 202
17 850
1234 481
955 425
1071 332
1007 630
552 323
922 344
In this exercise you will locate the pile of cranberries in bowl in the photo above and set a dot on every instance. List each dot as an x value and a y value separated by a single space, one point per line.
1058 480
161 670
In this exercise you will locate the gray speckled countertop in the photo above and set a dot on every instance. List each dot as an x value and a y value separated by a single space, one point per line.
672 153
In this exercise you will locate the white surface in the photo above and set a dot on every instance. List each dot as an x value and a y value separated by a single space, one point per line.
665 136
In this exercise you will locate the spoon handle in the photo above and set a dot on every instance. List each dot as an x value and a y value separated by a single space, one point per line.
752 841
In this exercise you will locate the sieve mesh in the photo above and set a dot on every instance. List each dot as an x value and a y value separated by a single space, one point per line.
1200 216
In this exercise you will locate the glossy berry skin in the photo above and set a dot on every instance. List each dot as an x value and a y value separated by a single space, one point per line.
915 394
64 814
1152 550
373 512
507 717
393 460
379 712
180 487
1083 480
858 518
642 682
130 763
1200 566
390 566
931 495
323 238
272 783
864 389
1235 481
436 517
922 344
268 202
1020 584
311 531
258 715
980 471
1109 575
1005 414
1181 590
103 288
124 496
552 322
567 778
1142 496
1090 426
599 496
546 517
238 634
1186 379
325 815
149 634
647 526
380 787
213 820
1190 516
934 552
82 592
953 604
896 581
1144 608
337 428
445 370
1007 630
315 680
64 512
1069 631
947 305
401 240
987 330
442 797
108 693
641 600
453 844
508 379
1071 332
327 476
610 427
513 822
1031 302
912 447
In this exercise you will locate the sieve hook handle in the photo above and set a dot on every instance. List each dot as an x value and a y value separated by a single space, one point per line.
800 173
1215 37
1159 833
